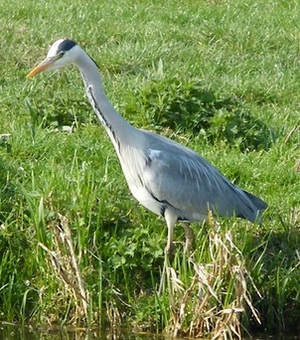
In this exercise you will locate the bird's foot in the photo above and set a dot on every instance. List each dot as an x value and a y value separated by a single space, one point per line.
168 254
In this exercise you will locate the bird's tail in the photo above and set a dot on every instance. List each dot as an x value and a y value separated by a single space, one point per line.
256 205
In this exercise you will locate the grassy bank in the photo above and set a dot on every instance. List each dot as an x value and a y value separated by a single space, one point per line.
221 78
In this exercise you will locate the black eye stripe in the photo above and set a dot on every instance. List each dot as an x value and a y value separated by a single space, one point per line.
66 45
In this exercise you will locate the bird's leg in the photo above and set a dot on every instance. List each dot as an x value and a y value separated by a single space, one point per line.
189 237
171 219
163 274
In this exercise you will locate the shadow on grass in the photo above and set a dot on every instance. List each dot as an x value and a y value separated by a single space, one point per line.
276 272
194 108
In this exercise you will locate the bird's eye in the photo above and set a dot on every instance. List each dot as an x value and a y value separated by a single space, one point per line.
62 53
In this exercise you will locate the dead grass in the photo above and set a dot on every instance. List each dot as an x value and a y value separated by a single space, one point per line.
65 264
213 303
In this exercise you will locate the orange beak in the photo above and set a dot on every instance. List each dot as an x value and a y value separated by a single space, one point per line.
44 65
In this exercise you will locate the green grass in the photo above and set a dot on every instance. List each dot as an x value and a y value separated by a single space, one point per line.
219 77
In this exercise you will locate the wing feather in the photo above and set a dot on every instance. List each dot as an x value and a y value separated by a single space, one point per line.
185 180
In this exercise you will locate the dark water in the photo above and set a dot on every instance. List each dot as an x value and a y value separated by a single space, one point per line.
12 332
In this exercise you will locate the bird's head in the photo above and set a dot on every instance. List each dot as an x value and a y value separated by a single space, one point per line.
63 52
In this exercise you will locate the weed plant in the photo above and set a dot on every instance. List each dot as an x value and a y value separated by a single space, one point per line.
76 249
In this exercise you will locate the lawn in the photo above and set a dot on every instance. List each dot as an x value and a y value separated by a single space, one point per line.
221 77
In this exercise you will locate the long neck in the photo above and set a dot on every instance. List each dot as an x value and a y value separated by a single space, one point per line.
119 131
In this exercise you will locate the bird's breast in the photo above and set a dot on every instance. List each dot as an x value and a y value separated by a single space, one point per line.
146 199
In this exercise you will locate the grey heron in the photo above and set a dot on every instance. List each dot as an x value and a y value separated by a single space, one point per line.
166 177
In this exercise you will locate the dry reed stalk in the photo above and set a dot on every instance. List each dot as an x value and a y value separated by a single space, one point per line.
212 304
114 318
66 265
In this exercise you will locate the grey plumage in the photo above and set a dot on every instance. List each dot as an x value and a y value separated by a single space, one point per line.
164 176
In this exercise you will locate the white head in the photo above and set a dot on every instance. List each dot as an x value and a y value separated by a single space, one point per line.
63 52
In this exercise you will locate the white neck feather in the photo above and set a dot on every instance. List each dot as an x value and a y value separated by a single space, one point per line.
117 128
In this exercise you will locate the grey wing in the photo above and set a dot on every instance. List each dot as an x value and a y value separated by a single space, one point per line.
181 178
